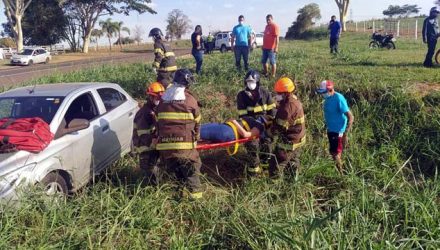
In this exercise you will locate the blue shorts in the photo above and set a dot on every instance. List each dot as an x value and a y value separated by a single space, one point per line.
269 54
216 132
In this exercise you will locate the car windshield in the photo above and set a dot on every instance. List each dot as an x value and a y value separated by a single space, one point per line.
28 107
26 52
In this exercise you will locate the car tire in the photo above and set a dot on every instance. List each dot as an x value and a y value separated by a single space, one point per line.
54 184
47 60
223 48
30 63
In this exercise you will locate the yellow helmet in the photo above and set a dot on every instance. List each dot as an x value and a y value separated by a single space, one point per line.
155 89
284 85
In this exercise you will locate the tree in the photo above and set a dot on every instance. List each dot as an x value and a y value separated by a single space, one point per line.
96 34
119 29
178 24
88 12
14 10
343 9
304 20
138 33
72 31
402 11
109 28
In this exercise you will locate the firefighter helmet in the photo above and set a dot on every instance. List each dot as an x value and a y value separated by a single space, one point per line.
155 89
252 75
183 77
284 85
155 33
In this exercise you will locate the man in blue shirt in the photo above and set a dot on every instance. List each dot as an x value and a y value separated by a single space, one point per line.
338 120
240 41
335 32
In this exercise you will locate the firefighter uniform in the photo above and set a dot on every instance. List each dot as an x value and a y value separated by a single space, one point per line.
255 104
164 62
289 130
143 135
178 132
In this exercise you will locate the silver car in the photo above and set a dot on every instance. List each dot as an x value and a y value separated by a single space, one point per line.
29 56
92 124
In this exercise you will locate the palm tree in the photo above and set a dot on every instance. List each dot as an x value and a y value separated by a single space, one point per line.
109 28
119 29
96 33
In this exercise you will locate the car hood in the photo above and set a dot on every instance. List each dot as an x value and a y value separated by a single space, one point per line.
21 56
12 161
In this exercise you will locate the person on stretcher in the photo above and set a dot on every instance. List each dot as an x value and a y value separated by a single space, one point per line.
233 129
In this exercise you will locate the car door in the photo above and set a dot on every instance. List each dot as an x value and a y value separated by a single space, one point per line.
42 56
84 143
117 123
218 40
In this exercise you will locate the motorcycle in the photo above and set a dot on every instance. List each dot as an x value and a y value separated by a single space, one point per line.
382 41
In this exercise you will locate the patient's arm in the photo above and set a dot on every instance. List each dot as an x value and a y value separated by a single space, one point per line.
246 134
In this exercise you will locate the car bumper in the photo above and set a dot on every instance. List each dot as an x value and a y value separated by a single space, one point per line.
19 63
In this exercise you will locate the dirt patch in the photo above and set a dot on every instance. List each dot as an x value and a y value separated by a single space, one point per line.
424 89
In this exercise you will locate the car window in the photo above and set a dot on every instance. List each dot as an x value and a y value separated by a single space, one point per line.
83 107
111 98
259 35
219 36
41 51
224 35
26 52
29 107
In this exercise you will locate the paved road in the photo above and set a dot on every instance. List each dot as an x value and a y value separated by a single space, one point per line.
19 74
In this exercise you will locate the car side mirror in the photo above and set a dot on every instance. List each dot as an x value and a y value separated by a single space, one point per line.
73 126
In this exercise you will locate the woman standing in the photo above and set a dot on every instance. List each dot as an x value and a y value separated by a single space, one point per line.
197 49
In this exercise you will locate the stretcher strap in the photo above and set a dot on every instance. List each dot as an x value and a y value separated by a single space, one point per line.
236 144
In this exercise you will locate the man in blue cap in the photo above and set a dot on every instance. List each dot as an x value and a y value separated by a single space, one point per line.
430 33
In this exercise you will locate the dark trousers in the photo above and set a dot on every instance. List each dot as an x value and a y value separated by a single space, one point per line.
198 56
286 162
431 50
241 51
165 77
334 43
186 172
148 163
259 151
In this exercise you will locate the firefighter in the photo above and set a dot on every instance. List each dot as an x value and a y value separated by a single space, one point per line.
178 131
257 102
164 61
288 129
144 133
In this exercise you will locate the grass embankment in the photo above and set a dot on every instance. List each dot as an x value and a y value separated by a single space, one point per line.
388 199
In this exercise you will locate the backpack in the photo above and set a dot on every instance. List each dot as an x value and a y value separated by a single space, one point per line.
29 134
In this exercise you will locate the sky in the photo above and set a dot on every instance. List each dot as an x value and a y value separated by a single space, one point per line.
223 14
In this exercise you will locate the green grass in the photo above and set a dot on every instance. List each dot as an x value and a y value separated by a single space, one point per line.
388 199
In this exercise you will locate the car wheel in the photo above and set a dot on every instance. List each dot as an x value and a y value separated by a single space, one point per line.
54 184
223 48
47 60
30 63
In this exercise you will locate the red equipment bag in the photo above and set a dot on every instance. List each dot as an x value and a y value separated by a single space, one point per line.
29 134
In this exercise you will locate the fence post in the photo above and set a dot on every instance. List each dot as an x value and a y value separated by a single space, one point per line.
415 34
364 26
398 28
374 26
356 26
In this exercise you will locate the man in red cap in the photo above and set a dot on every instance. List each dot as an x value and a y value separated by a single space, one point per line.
338 120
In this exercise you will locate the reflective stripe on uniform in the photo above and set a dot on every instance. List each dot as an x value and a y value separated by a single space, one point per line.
142 149
285 124
145 131
292 147
246 125
159 50
255 170
242 112
168 54
175 116
196 195
156 64
176 145
262 108
168 69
